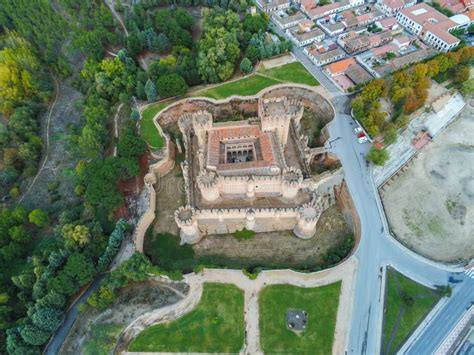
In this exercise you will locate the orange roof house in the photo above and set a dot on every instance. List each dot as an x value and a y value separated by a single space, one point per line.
340 67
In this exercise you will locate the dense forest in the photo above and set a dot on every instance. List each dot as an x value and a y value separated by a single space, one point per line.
47 255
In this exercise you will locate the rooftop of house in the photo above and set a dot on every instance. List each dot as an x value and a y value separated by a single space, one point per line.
455 6
404 60
321 10
303 36
388 22
382 50
340 66
273 3
324 54
396 4
441 33
283 18
357 74
470 14
402 40
308 4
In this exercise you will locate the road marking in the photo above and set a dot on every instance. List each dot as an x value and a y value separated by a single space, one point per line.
470 273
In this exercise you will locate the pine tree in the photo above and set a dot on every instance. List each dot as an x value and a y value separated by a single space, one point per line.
162 43
246 65
150 91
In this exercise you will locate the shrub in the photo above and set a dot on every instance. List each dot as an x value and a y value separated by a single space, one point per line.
246 65
243 234
250 275
407 300
377 156
339 252
38 217
170 255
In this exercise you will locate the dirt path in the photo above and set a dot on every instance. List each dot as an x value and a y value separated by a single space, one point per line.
119 108
117 16
344 272
46 155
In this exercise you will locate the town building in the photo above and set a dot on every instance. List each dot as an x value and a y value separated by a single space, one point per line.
340 67
332 25
347 74
361 16
355 42
457 6
392 7
430 25
304 37
315 12
273 5
322 55
402 51
285 20
388 24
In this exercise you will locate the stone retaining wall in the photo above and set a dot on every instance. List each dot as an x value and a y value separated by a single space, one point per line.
155 171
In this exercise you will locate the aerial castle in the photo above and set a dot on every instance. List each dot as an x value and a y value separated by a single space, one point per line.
250 173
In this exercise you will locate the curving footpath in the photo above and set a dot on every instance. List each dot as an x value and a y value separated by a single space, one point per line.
344 272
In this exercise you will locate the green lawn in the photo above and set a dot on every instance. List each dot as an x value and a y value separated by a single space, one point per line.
215 325
321 305
293 72
243 87
148 130
412 307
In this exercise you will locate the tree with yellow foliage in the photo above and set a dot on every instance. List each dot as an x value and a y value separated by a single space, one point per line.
20 73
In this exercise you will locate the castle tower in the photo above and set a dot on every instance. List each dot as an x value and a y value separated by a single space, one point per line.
274 116
250 187
249 219
202 123
308 217
291 183
208 185
185 218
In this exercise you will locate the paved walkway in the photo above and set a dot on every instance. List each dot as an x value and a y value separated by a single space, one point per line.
344 272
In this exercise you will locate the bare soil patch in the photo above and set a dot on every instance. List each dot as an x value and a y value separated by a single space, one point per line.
134 300
430 206
276 62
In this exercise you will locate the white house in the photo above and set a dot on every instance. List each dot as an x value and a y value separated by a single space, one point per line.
430 25
303 38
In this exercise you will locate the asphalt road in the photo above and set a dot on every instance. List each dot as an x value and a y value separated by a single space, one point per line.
378 249
57 340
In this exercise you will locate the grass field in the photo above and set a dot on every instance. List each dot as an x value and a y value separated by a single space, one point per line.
293 72
215 325
410 302
289 73
321 305
148 130
243 87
